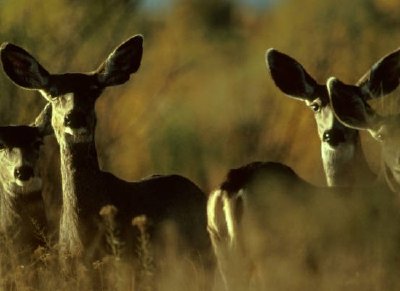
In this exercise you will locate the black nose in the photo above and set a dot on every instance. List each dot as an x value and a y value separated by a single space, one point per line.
75 120
333 137
23 173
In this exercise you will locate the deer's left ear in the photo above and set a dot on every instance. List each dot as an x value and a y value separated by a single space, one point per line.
22 68
43 121
121 63
349 105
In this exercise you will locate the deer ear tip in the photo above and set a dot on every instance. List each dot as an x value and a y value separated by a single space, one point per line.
5 46
332 82
271 54
269 51
138 39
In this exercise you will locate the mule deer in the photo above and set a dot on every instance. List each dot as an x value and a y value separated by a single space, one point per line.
350 107
261 208
86 188
342 156
23 220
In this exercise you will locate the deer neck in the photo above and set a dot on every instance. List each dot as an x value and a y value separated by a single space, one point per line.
348 168
82 193
387 178
9 214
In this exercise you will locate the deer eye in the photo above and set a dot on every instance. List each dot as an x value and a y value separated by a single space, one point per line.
315 107
380 137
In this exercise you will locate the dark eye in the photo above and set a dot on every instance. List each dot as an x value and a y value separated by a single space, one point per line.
380 136
2 146
315 107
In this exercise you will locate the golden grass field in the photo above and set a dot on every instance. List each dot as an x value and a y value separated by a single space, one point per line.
201 103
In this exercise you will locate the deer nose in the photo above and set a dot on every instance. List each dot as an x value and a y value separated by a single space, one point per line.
75 120
23 173
333 137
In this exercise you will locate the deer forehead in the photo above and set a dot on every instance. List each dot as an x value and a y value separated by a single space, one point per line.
65 102
83 87
19 136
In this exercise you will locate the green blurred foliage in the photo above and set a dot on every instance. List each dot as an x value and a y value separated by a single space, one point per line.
202 101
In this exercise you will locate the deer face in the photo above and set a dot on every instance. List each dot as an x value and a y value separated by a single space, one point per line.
338 142
73 95
351 108
19 153
293 79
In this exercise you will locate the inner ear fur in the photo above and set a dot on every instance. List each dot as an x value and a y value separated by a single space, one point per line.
22 68
121 63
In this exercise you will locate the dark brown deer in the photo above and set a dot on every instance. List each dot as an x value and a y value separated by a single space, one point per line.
86 188
342 156
23 219
265 209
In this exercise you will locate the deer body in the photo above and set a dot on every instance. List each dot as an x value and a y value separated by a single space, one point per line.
265 221
161 198
262 206
86 189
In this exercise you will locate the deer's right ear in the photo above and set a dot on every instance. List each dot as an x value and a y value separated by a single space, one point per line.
22 68
349 105
43 121
290 76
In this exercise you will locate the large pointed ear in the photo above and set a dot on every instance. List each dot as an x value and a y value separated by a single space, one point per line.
290 76
383 77
43 121
121 63
349 105
22 68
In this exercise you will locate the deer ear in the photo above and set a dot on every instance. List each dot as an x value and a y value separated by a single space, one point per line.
121 63
290 76
349 105
383 77
43 121
22 68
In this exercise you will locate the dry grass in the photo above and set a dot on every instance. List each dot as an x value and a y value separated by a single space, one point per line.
201 103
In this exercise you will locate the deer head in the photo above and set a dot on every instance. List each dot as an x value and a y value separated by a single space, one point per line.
19 154
72 95
350 107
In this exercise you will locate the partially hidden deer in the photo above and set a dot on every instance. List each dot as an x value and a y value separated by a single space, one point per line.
24 224
264 220
169 199
342 155
350 107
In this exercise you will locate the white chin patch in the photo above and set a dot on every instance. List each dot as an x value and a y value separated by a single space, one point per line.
77 134
75 131
32 185
339 154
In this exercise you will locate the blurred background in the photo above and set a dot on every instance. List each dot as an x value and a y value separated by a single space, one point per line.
203 100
